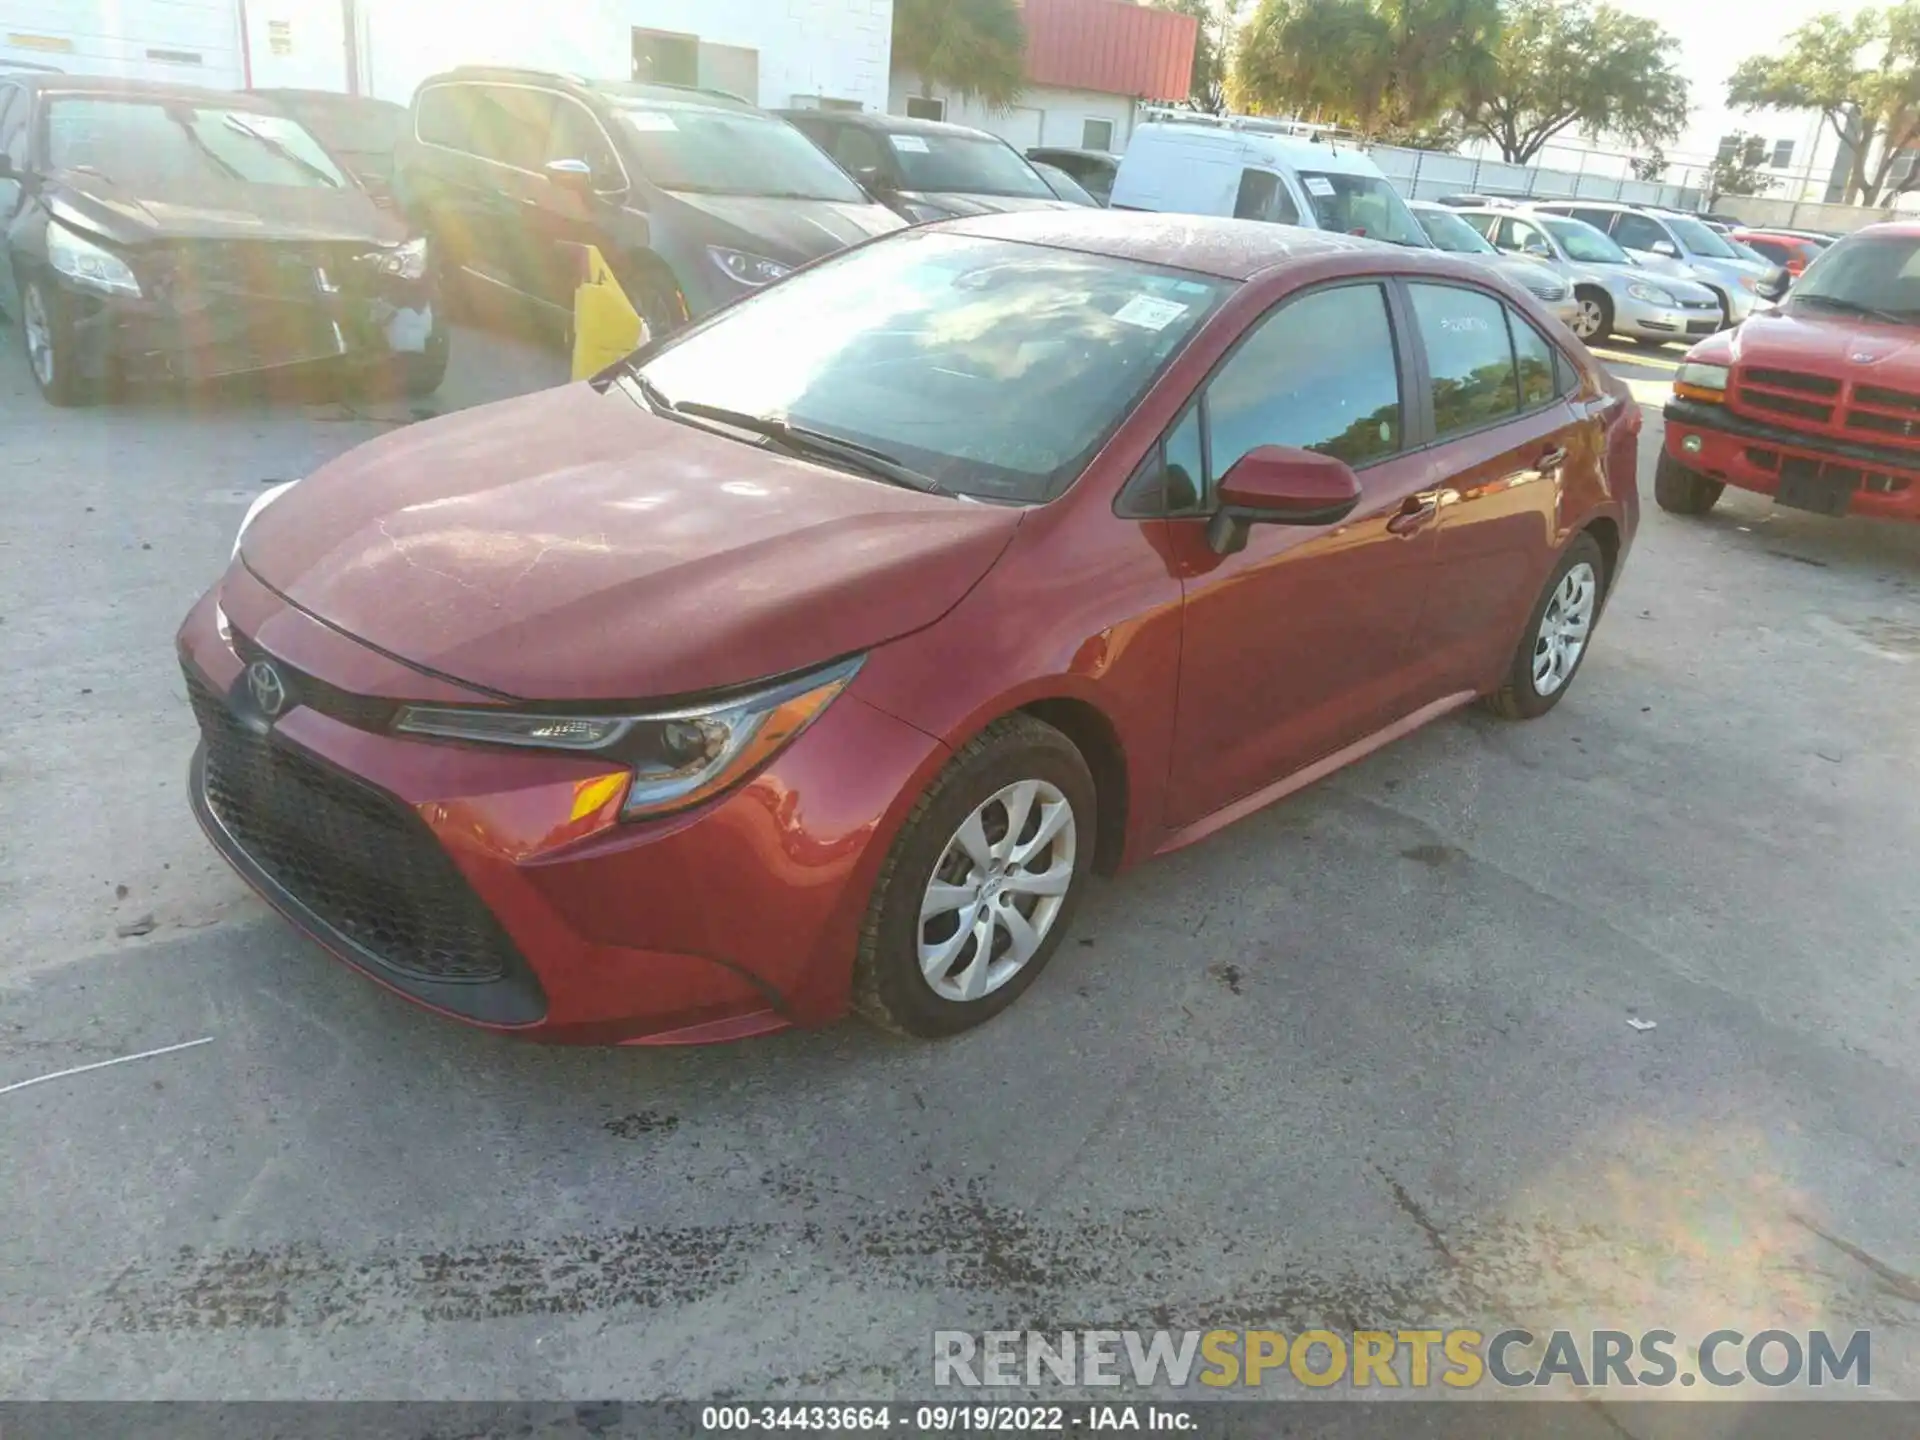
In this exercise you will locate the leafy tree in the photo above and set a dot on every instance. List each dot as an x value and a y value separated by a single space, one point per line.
976 49
1862 74
1565 63
1736 169
1650 166
1379 66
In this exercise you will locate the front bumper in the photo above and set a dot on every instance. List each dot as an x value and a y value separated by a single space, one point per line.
205 336
734 918
1645 321
1748 454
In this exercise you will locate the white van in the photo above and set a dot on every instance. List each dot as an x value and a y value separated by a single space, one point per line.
1190 168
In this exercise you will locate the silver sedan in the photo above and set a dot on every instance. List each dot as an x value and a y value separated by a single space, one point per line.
1615 294
1449 232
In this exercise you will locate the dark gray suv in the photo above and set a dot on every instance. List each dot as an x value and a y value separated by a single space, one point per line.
694 197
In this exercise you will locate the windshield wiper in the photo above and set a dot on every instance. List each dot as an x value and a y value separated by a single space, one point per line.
803 441
195 139
1854 307
285 152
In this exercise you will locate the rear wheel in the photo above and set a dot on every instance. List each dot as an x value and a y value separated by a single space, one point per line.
980 884
655 295
1557 634
1593 321
1680 491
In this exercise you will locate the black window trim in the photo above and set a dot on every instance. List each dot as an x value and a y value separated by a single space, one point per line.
1416 403
474 84
1430 439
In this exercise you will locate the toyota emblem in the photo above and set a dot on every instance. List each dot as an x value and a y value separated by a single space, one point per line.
269 691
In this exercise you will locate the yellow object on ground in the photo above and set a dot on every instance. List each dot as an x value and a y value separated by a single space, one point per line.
606 327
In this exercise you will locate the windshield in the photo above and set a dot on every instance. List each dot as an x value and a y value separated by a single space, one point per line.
1584 243
367 127
1870 275
965 164
1698 239
184 141
1064 185
1449 232
1363 205
724 152
993 367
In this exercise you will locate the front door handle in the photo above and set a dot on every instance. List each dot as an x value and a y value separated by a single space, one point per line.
1552 460
1415 512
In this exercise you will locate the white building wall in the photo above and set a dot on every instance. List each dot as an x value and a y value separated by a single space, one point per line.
1043 115
297 44
833 48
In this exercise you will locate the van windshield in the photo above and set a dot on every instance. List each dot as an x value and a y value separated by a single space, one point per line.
697 151
1362 205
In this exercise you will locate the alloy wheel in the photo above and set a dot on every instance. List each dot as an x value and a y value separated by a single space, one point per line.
1564 628
1587 323
997 890
39 333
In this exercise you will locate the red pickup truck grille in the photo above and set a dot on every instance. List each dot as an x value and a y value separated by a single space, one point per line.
1804 401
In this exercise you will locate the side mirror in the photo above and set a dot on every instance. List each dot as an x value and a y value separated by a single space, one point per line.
1280 485
574 175
1666 248
1773 285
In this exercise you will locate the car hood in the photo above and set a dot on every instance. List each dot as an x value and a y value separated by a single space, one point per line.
1844 346
138 214
572 545
793 231
1529 274
963 203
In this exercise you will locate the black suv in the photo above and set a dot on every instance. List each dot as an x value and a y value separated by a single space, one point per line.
694 197
928 169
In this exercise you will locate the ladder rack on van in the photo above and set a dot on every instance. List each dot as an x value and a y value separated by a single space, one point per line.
1256 124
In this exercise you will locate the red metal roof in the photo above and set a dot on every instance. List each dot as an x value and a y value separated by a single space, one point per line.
1112 46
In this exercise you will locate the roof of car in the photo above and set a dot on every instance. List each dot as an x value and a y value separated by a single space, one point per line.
325 97
607 89
1205 244
886 124
55 84
1073 150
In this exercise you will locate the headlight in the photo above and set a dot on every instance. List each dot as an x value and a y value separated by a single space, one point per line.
408 261
678 757
748 269
260 502
1701 382
85 263
1652 294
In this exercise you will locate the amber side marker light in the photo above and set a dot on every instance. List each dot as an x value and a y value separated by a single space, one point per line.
1705 383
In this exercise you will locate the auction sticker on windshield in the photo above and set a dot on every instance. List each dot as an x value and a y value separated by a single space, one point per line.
1317 185
912 143
1149 313
650 120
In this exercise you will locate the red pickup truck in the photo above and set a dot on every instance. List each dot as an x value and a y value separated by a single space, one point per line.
1816 402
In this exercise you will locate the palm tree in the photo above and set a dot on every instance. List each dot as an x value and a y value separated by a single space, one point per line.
975 49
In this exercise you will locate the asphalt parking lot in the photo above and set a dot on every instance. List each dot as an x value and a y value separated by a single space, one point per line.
1362 1060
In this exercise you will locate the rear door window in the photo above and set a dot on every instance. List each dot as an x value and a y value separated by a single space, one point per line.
858 150
1469 357
1637 232
1263 196
445 117
1534 358
1600 219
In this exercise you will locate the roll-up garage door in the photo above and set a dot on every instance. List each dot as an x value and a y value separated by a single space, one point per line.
193 42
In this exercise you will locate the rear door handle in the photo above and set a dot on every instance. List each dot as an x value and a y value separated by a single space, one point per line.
1552 460
1415 512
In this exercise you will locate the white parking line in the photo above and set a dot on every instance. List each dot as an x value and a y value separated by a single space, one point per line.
1654 359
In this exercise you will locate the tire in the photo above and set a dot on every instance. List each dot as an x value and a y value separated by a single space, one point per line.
655 294
1595 320
1577 587
1726 310
985 780
1680 491
415 376
46 331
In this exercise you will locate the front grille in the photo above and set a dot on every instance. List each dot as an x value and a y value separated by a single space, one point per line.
1702 327
358 859
1787 405
1549 292
1906 429
363 712
1790 380
1890 399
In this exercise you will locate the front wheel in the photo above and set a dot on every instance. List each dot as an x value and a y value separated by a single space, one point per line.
1556 637
1680 491
980 884
47 328
1594 319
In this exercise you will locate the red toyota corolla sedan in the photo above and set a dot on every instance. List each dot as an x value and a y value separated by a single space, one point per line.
813 656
